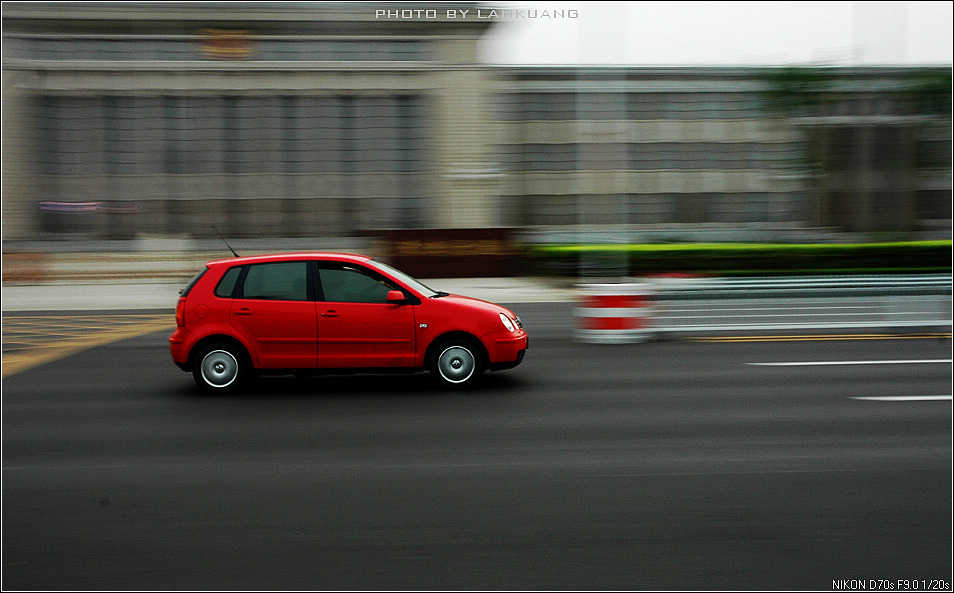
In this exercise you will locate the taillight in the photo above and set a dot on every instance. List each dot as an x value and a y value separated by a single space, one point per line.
180 312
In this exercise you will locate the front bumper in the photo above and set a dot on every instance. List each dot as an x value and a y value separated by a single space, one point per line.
507 352
502 366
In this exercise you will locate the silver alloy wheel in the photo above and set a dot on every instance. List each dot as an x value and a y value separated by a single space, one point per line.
456 364
219 368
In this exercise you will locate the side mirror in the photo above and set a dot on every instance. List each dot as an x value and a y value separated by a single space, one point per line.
396 297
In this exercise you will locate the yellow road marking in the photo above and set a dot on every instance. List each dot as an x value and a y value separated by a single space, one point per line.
40 339
823 338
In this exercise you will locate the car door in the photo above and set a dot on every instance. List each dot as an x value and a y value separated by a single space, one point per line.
357 327
274 308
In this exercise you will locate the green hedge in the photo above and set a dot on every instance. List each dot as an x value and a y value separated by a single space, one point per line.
745 258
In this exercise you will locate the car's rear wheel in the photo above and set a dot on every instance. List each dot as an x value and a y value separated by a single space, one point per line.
220 368
456 363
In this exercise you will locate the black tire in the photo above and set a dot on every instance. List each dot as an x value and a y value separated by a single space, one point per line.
456 362
220 368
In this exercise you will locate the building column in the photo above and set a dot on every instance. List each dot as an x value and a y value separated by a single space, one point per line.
468 174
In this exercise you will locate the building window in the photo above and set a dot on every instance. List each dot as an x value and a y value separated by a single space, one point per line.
632 106
650 156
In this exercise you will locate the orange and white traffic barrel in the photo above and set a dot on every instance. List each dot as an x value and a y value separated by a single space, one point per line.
614 313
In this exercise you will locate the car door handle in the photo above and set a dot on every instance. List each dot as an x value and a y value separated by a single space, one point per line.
243 311
330 314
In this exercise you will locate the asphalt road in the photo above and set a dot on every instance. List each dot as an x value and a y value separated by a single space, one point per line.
665 465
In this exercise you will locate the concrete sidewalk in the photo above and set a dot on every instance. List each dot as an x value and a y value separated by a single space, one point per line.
146 295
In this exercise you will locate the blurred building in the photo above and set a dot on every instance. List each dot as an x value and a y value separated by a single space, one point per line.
844 149
301 120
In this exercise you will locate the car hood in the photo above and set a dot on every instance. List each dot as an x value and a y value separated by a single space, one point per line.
472 303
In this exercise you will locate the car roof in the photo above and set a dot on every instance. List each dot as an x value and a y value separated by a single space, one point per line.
280 257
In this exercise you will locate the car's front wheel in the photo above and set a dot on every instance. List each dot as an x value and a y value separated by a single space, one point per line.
456 363
220 368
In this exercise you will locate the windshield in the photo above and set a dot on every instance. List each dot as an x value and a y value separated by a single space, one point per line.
404 278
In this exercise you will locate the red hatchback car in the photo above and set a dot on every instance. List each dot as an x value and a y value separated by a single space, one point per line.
327 312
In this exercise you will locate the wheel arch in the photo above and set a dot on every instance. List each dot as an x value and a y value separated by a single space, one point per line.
219 338
480 350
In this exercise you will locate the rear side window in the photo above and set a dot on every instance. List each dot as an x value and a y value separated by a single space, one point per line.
279 281
185 291
226 287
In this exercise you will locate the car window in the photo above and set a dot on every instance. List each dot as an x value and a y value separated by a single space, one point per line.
188 288
279 281
346 284
226 286
401 276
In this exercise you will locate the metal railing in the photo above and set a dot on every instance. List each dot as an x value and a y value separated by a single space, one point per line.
807 303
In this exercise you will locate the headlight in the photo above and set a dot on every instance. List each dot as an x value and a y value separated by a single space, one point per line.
507 323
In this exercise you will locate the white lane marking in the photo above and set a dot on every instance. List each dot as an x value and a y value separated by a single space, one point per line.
906 398
845 362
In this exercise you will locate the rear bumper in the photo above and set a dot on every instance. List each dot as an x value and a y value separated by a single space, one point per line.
179 349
